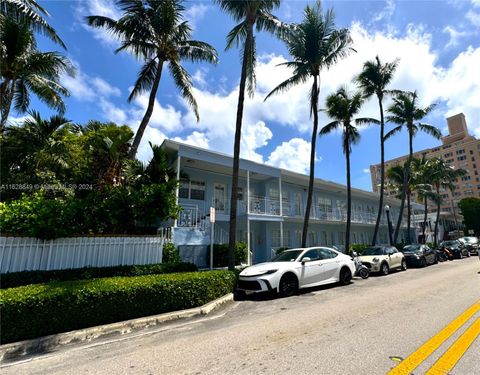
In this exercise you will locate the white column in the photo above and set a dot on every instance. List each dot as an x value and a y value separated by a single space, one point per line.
249 258
178 186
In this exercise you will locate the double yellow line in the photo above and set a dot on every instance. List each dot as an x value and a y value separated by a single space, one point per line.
448 360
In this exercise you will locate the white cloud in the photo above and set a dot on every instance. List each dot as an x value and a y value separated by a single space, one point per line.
386 13
195 13
455 36
473 17
293 155
195 139
106 8
476 3
254 136
104 88
366 170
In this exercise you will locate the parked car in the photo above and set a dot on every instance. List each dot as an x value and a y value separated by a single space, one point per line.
383 259
456 248
419 255
295 269
471 243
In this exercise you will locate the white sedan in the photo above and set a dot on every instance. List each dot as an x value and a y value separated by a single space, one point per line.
297 268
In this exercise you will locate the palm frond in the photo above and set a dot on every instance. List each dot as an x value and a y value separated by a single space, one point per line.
184 84
392 132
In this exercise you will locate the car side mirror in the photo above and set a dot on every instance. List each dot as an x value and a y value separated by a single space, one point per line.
305 259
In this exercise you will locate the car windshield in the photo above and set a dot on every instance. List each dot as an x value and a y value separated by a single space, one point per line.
373 251
449 243
287 256
412 248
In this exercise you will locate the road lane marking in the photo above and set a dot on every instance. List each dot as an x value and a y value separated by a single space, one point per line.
417 357
456 351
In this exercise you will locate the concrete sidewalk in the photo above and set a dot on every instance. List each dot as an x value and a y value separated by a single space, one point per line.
17 350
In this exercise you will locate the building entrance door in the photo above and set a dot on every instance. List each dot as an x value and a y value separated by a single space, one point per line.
219 197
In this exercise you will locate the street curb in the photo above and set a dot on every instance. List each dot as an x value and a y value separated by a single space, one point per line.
17 350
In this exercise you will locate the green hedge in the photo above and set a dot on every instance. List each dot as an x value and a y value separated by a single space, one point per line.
220 254
44 309
15 279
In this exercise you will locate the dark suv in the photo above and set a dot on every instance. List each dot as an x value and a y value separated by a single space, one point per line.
471 243
456 248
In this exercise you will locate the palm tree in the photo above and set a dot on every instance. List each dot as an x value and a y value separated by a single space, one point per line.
442 175
421 182
405 112
24 70
30 12
373 80
314 44
250 14
154 31
342 107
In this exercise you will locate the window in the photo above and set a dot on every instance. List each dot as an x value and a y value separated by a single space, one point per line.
460 158
460 152
312 238
312 254
466 178
275 238
448 154
240 193
326 253
190 189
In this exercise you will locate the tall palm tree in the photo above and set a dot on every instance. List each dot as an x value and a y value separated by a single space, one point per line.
154 31
250 14
373 80
30 12
442 175
314 44
24 70
406 113
342 107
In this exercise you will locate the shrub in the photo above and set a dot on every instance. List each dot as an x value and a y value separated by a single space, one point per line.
170 253
220 254
15 279
359 248
281 250
44 309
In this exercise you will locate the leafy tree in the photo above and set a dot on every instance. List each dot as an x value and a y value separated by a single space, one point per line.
154 31
250 14
28 11
314 44
373 80
470 208
405 112
343 106
25 70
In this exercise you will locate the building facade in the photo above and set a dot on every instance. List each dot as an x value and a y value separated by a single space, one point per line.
460 150
271 206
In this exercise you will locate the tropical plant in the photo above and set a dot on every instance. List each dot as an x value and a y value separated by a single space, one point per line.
343 106
470 208
24 70
373 80
38 151
250 14
154 31
406 113
28 11
421 183
442 175
314 44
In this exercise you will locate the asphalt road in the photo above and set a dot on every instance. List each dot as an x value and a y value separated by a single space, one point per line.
330 330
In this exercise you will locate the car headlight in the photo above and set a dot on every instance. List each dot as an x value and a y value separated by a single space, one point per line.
417 256
268 272
375 260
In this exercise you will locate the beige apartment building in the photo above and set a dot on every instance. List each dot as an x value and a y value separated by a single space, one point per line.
460 150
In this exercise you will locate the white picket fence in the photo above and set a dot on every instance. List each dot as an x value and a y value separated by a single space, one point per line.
25 253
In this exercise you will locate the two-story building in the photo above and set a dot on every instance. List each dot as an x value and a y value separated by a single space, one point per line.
271 206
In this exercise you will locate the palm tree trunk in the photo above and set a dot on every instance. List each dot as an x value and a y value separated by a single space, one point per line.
382 172
314 106
435 231
236 151
424 219
409 193
6 98
349 200
148 113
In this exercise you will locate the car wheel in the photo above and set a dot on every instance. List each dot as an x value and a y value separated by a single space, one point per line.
436 260
364 273
423 263
288 285
404 265
468 254
384 269
345 276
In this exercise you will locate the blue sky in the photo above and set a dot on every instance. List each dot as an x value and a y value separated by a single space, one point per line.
437 42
